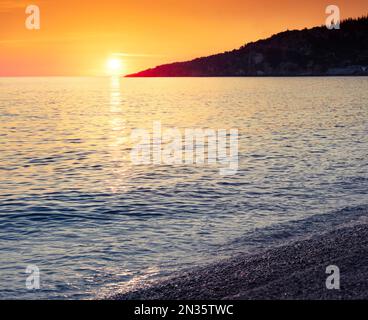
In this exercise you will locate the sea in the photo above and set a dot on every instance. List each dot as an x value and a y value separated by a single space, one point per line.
79 219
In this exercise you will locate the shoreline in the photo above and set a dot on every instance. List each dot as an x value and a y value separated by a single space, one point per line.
363 75
293 271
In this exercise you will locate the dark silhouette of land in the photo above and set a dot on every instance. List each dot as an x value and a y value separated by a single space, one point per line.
309 52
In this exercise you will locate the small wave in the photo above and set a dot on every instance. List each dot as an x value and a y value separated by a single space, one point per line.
277 234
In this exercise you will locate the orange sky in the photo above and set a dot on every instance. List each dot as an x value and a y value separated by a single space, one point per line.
78 36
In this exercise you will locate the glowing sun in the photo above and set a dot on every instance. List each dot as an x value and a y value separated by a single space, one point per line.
114 66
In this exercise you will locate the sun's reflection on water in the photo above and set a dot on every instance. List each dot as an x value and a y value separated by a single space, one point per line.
118 137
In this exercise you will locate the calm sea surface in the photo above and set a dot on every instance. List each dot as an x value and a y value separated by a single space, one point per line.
73 204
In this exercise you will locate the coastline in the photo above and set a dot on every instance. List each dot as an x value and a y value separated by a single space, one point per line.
293 271
258 76
307 52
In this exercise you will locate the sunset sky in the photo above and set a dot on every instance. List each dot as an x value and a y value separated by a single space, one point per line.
78 37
